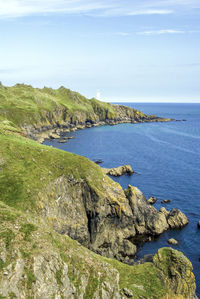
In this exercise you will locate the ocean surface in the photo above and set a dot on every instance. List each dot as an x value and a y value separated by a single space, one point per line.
166 159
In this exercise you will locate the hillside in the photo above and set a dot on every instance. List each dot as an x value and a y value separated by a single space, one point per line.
66 227
46 110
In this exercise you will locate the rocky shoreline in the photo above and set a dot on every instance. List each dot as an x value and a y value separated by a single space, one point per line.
40 133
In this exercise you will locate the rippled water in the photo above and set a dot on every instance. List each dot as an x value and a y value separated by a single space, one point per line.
166 158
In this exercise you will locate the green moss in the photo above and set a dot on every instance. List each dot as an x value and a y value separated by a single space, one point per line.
59 277
30 278
92 285
25 254
8 236
2 264
27 229
12 295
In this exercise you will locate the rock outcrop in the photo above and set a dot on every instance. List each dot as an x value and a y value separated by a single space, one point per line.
118 171
107 221
177 272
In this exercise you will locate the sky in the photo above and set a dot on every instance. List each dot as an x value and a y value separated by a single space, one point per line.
129 50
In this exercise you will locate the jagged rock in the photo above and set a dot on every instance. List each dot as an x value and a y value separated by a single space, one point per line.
147 219
176 219
128 293
177 270
172 241
164 211
152 200
126 169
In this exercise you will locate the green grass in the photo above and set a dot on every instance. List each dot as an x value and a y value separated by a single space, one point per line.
28 167
23 104
8 236
27 229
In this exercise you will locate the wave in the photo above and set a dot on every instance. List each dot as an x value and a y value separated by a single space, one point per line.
153 138
181 133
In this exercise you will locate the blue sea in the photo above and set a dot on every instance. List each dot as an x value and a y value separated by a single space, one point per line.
166 159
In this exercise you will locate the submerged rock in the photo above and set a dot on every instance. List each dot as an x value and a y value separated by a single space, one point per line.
98 161
126 169
172 241
166 201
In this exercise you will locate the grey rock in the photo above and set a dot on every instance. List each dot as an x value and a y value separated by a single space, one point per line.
128 293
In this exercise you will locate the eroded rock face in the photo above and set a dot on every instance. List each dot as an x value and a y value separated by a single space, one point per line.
126 169
106 220
177 270
146 219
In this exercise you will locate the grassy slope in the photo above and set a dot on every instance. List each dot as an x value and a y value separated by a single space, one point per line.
27 167
23 104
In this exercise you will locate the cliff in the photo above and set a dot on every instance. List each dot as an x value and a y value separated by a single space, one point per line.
66 227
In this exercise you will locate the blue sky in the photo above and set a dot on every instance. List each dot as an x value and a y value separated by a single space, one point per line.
131 50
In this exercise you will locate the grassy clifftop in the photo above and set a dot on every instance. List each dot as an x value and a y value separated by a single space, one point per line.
33 108
24 104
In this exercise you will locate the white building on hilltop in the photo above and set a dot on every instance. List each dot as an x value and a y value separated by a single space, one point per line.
98 96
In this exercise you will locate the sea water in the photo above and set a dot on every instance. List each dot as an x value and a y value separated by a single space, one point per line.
166 159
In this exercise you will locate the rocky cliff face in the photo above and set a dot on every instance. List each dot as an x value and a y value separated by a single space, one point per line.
106 220
36 262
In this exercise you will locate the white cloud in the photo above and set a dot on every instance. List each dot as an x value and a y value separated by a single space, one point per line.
160 32
19 8
151 12
123 33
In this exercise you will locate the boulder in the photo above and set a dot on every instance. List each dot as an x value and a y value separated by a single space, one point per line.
176 219
54 136
152 200
126 169
128 293
172 241
166 201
